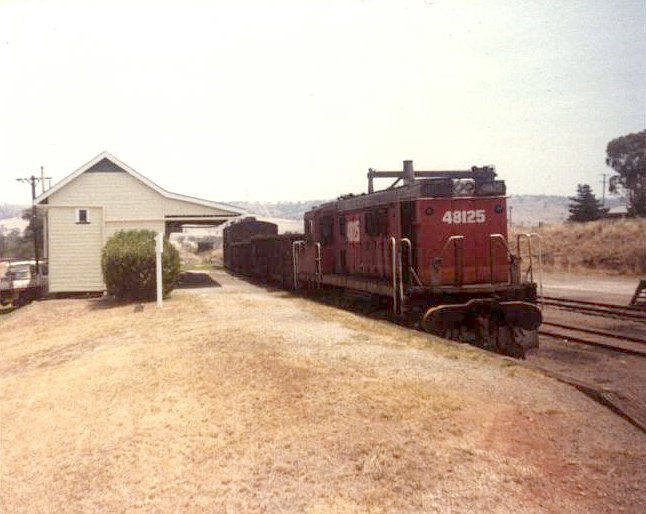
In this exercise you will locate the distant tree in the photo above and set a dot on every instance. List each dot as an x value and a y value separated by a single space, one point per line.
585 206
627 156
14 245
33 229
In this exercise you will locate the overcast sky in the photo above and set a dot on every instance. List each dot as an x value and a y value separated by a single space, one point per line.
295 100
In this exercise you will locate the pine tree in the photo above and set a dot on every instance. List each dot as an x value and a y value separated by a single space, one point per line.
585 206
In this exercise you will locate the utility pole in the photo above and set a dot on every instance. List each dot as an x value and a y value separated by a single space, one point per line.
32 181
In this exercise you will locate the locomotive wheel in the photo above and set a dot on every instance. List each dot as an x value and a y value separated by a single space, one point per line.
528 339
507 343
491 334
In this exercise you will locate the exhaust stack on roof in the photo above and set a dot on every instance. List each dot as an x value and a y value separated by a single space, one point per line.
409 174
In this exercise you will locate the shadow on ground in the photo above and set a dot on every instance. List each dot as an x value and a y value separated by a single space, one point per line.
190 279
187 280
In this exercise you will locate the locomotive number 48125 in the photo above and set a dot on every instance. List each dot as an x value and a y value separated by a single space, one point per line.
460 217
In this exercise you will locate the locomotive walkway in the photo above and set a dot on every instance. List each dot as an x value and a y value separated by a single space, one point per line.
244 399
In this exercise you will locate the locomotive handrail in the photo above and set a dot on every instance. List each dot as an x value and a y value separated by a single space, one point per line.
393 266
295 245
319 267
400 278
492 238
529 273
540 263
530 270
407 242
458 257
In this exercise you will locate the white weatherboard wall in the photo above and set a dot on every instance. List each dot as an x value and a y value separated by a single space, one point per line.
74 250
120 201
115 200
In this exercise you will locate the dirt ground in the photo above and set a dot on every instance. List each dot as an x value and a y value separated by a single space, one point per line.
237 399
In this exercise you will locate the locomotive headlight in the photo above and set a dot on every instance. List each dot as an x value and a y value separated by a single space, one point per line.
464 187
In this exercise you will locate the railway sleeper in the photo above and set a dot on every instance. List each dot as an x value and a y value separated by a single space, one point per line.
509 327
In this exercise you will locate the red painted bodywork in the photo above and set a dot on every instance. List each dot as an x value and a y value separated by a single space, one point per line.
370 255
432 234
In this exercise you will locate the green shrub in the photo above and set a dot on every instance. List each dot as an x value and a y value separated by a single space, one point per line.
128 263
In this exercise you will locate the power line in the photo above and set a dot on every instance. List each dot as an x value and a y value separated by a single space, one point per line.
32 181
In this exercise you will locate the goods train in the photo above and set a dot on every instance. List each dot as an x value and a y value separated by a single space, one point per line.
433 246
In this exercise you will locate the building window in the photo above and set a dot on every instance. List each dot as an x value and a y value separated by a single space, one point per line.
82 216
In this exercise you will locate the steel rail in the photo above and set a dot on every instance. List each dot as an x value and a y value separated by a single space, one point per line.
612 335
607 346
608 310
594 304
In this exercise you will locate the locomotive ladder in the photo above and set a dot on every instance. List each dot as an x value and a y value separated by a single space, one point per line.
397 267
639 298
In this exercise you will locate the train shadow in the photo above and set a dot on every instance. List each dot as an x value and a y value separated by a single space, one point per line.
366 305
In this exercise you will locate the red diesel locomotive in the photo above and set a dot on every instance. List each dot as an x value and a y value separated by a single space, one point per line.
435 248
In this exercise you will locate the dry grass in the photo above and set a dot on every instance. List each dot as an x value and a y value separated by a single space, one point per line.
235 400
605 246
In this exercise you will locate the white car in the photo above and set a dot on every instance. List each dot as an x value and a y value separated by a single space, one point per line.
19 282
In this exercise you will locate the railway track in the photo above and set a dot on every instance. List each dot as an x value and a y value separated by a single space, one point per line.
596 308
583 333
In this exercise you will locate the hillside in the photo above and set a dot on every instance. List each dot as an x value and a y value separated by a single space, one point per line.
531 210
605 246
528 210
11 218
286 210
9 224
11 211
